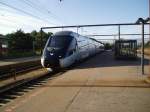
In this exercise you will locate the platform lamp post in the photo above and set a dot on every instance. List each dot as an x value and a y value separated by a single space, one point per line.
119 32
119 36
141 20
147 20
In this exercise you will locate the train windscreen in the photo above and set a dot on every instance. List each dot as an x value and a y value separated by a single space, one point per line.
59 41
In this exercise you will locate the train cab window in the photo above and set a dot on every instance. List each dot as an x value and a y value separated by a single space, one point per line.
59 41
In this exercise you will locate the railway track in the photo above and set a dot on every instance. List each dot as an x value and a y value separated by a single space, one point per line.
19 81
19 77
20 84
16 74
8 71
19 88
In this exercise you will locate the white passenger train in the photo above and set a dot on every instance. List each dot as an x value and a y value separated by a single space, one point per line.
66 47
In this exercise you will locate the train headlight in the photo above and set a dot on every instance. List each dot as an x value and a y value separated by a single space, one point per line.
51 54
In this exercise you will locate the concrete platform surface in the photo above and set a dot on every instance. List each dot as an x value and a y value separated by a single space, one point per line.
100 84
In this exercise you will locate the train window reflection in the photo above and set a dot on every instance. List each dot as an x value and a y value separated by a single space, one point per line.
59 41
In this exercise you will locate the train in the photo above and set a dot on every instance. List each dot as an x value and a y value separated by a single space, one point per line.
64 48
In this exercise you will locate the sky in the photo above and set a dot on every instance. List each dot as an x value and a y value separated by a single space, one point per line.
31 15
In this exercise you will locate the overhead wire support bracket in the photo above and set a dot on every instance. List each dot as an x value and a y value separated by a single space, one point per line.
94 25
142 22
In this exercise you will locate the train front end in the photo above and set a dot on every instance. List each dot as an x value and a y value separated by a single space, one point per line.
55 50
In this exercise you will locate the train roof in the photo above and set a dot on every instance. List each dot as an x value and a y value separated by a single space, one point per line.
63 33
70 33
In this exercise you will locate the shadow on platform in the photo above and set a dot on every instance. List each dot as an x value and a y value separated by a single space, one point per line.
106 59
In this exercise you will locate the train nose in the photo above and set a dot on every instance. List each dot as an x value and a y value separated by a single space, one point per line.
50 62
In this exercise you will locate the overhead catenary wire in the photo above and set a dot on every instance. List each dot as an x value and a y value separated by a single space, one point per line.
27 3
50 13
32 6
29 14
12 20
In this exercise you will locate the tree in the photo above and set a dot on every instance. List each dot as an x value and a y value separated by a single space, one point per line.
20 41
27 41
108 46
37 38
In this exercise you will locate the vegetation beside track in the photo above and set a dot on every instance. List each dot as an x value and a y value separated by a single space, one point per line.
21 44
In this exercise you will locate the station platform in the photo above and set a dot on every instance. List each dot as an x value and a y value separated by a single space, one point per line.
18 60
98 84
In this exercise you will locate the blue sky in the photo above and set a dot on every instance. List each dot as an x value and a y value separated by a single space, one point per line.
69 12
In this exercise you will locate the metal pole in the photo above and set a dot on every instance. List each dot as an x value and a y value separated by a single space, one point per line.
41 41
119 32
77 30
142 57
93 25
119 39
33 46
